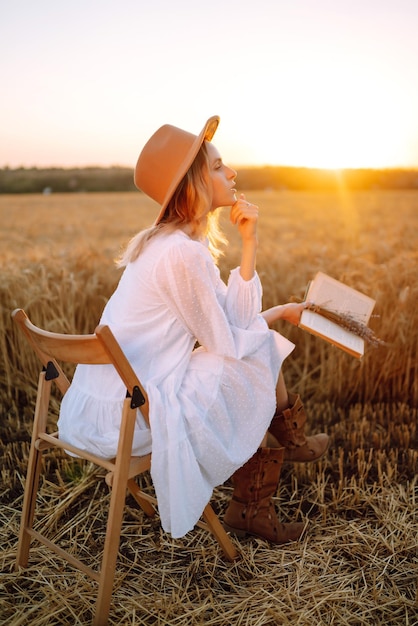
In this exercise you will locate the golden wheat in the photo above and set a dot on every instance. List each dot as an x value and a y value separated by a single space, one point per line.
358 562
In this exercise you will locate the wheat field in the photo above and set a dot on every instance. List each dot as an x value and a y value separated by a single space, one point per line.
357 562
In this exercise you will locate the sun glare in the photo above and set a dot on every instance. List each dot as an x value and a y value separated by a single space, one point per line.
338 118
331 138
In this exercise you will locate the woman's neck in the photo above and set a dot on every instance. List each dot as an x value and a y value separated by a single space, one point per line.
193 231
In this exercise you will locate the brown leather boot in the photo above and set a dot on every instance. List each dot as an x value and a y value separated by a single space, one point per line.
288 430
251 510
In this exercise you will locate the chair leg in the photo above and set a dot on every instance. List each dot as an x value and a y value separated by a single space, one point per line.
115 516
145 505
28 509
110 554
219 532
33 471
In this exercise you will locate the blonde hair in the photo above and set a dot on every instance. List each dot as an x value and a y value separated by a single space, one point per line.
188 206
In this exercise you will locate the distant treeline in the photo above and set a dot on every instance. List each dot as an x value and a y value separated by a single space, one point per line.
36 180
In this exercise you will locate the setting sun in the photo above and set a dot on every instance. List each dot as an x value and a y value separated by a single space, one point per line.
331 138
348 113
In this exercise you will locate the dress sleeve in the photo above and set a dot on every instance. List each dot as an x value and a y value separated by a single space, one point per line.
243 299
188 282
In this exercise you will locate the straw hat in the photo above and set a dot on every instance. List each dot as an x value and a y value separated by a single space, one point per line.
165 159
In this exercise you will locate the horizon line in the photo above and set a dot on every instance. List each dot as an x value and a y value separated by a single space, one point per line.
235 166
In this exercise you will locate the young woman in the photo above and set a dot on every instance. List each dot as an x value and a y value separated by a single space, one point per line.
211 406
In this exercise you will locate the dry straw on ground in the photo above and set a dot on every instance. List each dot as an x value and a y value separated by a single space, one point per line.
357 562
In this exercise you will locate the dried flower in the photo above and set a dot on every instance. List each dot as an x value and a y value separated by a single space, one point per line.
348 322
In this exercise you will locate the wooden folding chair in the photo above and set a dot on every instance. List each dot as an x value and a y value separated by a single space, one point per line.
98 348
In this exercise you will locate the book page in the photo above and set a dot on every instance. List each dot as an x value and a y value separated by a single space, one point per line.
320 326
334 295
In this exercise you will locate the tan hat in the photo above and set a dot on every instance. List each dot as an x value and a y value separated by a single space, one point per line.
165 159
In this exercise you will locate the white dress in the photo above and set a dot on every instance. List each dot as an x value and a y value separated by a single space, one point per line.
209 407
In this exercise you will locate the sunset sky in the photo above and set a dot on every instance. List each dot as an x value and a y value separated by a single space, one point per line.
317 83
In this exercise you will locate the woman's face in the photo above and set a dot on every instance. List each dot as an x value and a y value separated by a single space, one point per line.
222 179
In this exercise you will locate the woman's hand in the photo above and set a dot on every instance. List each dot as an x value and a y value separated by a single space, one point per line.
245 216
289 312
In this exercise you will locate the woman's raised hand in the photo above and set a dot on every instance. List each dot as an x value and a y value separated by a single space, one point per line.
244 215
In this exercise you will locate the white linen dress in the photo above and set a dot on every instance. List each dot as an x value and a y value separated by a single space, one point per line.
209 407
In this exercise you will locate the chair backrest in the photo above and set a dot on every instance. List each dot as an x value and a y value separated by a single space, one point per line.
98 348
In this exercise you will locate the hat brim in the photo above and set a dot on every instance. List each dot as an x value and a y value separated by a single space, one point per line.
206 134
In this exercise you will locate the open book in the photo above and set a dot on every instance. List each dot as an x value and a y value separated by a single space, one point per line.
338 300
